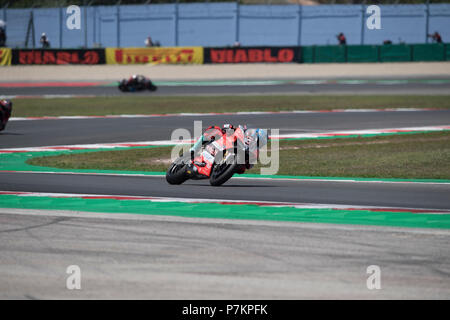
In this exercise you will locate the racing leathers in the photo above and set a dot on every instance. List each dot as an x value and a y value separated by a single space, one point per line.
254 139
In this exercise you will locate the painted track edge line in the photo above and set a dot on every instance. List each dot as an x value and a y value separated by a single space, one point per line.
198 114
317 135
298 205
273 178
222 221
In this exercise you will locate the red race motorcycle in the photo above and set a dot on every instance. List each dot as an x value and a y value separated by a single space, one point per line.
221 153
5 113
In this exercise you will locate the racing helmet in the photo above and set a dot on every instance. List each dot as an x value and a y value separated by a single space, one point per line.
228 128
263 136
6 105
212 132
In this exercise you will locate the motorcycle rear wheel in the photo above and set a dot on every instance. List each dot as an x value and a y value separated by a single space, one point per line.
221 173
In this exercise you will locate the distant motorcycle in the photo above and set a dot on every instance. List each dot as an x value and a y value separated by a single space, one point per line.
5 113
136 83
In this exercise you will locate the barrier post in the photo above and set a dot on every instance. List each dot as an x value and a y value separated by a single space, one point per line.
175 20
100 30
118 23
94 26
363 19
427 19
238 14
5 15
299 35
30 29
60 26
85 23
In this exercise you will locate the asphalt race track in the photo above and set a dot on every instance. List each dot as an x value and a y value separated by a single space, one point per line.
149 257
83 131
369 194
155 257
186 90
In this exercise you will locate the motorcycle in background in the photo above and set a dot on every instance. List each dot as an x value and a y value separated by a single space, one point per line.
136 83
5 112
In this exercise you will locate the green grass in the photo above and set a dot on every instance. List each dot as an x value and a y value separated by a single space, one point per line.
419 156
149 105
139 159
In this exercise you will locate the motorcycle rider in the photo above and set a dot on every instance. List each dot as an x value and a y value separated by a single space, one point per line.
136 79
136 82
253 139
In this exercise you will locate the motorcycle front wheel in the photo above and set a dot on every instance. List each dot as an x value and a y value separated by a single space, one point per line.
150 86
176 174
2 125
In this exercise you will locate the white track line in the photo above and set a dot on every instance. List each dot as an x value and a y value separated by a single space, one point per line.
175 142
219 113
273 178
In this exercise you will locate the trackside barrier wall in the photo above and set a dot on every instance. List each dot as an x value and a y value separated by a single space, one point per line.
200 55
252 55
57 56
155 55
395 53
5 56
330 54
382 53
363 54
430 52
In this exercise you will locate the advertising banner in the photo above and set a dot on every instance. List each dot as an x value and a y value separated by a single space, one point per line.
252 55
58 56
155 55
5 56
